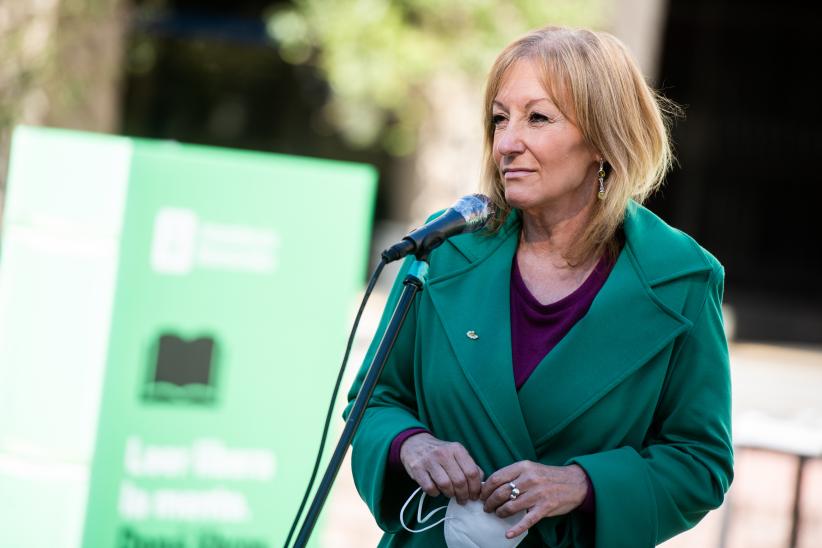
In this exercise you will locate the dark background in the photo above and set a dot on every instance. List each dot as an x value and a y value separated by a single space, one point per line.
749 187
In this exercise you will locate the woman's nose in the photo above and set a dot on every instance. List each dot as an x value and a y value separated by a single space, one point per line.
509 141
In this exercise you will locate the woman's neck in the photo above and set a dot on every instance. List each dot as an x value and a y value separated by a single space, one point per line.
549 233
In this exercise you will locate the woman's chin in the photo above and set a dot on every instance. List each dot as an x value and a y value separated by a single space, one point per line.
529 201
515 199
522 201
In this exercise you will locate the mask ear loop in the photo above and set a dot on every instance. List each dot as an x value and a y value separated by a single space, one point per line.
420 519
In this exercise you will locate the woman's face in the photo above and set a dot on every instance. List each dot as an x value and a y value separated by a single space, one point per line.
541 156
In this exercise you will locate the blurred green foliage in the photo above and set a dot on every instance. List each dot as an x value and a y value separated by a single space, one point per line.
378 55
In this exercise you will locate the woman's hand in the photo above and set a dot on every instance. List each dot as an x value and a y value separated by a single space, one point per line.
441 467
543 491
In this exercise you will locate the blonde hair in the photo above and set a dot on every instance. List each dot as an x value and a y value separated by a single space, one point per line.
594 82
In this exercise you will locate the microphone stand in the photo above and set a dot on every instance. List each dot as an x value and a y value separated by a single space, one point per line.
413 283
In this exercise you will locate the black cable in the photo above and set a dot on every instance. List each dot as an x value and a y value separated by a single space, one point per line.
371 283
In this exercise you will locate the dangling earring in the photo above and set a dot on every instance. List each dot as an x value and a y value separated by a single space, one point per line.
601 174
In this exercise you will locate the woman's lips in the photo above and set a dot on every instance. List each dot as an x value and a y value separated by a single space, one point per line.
516 173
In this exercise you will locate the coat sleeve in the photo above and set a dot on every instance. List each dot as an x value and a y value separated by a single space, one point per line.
684 468
391 410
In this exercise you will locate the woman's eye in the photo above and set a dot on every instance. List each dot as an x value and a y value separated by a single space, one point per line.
537 118
497 120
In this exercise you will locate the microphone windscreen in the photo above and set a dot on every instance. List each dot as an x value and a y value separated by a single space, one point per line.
476 209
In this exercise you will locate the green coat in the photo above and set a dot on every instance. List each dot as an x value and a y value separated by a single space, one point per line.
637 393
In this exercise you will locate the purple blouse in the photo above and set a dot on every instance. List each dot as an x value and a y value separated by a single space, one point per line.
536 329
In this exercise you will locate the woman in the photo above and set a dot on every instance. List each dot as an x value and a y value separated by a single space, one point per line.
568 365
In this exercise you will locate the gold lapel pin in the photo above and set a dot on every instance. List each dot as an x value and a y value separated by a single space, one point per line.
472 335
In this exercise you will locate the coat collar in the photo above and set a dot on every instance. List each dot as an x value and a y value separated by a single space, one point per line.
626 325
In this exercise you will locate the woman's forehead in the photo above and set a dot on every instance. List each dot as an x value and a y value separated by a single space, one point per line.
525 81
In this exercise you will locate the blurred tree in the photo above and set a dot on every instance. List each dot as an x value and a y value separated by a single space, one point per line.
61 66
407 74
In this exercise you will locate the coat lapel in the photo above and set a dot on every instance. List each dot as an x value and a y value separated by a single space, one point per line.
476 299
625 327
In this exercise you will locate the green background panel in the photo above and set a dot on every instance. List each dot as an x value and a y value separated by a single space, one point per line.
84 300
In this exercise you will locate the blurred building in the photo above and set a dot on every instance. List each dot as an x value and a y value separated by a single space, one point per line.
748 185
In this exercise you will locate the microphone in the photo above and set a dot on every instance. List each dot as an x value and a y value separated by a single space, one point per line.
468 214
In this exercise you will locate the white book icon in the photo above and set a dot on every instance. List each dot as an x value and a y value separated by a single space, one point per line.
174 242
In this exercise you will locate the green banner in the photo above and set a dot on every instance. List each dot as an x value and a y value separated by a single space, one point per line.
202 298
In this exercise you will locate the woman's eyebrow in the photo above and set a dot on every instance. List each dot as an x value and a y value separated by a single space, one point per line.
527 105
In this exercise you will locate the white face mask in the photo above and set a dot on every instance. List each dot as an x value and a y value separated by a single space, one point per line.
468 525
